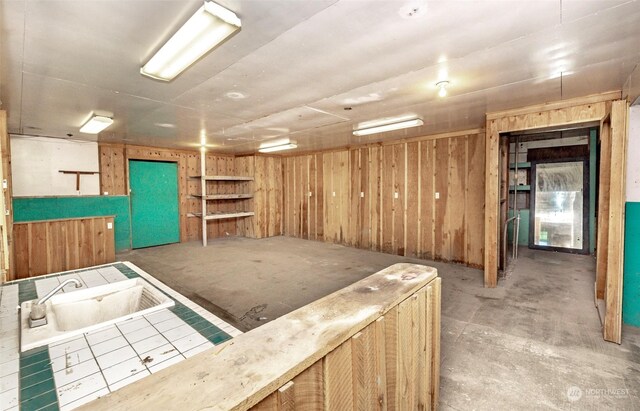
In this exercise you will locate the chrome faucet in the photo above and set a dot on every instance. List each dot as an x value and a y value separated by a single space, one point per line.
38 314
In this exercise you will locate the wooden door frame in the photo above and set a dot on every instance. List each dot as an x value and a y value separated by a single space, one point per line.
594 108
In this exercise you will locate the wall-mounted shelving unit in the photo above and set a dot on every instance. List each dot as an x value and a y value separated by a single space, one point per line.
207 182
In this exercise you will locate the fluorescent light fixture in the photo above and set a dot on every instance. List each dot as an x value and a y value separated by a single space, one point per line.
208 27
96 124
388 127
277 145
278 148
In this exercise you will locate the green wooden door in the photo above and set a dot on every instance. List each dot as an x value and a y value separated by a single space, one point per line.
154 203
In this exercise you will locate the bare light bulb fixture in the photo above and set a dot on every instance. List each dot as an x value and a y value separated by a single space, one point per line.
442 86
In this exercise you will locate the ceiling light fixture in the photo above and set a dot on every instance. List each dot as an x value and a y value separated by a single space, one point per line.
165 125
236 95
96 124
442 85
208 27
277 145
388 127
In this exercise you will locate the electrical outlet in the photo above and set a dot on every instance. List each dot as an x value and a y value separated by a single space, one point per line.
396 195
106 193
109 226
334 193
309 193
4 184
437 196
362 194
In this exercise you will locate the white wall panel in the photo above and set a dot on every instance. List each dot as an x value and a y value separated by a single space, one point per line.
36 163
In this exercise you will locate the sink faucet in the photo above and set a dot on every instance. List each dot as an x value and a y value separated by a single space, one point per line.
38 314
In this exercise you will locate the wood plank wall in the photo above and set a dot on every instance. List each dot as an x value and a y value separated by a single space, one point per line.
382 197
391 364
7 212
267 201
43 247
267 188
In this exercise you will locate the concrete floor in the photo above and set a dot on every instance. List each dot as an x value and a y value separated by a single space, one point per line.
523 345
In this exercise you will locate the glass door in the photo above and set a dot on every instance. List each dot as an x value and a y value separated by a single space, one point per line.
559 208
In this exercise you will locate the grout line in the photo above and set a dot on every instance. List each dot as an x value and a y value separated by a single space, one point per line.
169 341
99 368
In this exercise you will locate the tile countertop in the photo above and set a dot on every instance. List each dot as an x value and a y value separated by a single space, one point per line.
67 374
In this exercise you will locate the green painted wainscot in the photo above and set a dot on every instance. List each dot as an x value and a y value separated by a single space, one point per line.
631 288
51 208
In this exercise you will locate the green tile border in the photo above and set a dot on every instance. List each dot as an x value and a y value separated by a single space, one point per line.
27 291
128 272
48 400
37 386
208 330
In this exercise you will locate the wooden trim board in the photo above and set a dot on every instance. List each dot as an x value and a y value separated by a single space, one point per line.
557 105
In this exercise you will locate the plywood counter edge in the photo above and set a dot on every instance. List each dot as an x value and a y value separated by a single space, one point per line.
240 373
63 219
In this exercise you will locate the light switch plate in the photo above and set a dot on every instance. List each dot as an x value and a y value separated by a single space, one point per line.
437 196
362 194
109 226
396 195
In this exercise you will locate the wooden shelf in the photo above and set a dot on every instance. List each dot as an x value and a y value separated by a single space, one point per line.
223 196
520 188
223 215
207 215
520 165
224 178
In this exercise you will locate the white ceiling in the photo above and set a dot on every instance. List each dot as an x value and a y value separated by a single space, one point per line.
301 62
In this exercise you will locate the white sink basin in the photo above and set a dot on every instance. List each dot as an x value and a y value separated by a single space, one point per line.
77 312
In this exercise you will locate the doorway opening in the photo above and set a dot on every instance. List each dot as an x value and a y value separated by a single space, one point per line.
548 182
